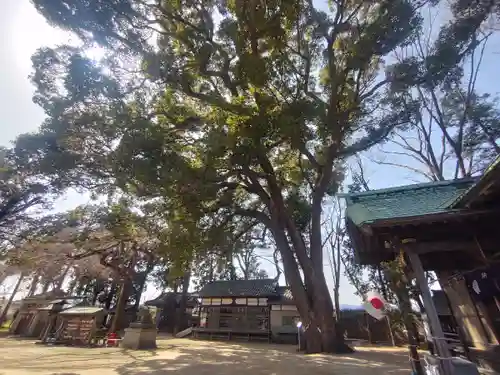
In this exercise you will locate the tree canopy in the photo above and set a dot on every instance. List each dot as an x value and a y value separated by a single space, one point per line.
19 194
453 130
223 116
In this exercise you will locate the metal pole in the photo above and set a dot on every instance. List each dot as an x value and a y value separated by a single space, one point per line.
437 331
298 336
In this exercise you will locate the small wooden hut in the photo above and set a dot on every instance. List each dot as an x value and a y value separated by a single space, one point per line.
51 312
30 321
80 325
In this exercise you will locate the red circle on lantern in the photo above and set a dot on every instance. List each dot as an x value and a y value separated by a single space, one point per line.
377 303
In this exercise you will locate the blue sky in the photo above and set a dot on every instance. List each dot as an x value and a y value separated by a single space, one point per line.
23 30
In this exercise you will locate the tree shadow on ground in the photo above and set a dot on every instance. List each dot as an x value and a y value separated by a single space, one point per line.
228 359
67 359
196 357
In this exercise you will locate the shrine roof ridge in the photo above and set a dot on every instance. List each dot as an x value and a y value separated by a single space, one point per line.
405 201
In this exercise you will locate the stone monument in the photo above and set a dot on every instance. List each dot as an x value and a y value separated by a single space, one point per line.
142 333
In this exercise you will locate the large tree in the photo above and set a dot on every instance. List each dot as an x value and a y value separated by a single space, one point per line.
231 114
454 130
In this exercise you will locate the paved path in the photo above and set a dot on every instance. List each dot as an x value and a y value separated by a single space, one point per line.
192 357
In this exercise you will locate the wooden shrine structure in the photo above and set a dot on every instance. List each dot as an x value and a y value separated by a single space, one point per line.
50 315
236 309
30 320
168 310
80 326
449 227
263 310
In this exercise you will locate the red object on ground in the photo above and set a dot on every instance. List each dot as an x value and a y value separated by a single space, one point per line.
112 338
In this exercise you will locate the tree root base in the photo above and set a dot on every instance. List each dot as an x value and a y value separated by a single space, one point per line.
341 348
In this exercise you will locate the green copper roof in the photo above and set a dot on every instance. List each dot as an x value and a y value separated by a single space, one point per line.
491 174
404 201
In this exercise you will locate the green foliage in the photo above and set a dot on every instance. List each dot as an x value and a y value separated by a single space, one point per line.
19 193
452 129
463 33
223 115
471 22
241 111
482 131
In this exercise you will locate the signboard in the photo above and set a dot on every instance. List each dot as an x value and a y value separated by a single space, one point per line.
78 329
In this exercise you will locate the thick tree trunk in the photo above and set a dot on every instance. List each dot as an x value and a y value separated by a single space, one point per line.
60 281
337 303
6 308
399 286
143 276
181 311
383 288
313 301
120 305
311 296
405 306
368 328
33 285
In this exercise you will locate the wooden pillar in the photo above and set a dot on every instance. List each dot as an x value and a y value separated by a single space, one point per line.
49 327
34 323
460 330
437 331
15 323
465 310
59 333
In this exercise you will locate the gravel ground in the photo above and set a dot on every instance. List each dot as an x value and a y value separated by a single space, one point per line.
193 357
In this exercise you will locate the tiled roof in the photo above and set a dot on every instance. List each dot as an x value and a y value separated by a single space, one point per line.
240 288
169 297
53 294
489 179
83 310
405 201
